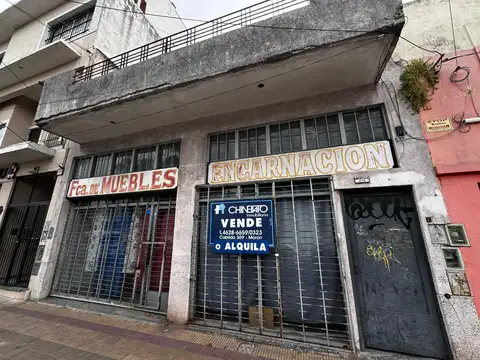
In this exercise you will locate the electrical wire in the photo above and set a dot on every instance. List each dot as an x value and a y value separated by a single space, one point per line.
30 145
226 91
453 30
18 78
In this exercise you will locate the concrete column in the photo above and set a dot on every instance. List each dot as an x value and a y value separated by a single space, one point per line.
6 190
192 172
41 284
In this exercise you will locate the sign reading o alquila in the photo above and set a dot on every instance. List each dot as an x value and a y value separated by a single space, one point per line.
337 160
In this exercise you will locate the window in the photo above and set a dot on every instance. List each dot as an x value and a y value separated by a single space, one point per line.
347 128
122 162
34 135
71 27
52 140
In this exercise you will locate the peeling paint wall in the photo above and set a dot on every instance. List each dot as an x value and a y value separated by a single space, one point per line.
119 31
428 25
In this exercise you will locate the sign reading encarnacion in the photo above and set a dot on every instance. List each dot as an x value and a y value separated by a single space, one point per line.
154 180
343 159
242 226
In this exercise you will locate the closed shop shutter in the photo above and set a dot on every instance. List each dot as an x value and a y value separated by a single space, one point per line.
296 291
118 252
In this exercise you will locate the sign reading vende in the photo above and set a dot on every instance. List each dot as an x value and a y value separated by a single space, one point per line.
242 226
154 180
342 159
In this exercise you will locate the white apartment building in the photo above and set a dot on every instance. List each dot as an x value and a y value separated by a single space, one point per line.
38 40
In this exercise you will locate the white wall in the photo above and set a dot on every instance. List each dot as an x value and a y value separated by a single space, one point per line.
30 37
164 25
120 31
428 25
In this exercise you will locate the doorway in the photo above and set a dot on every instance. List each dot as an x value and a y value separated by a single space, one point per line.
22 228
395 295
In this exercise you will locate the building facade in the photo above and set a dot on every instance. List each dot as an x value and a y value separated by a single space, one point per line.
455 155
37 42
251 178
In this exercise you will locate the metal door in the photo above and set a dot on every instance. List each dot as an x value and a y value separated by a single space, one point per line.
396 298
19 240
118 252
296 291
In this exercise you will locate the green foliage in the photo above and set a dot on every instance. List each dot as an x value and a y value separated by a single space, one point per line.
418 80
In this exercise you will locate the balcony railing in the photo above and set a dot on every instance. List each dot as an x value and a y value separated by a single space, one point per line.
207 30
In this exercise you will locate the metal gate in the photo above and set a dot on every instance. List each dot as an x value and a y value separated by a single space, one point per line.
296 291
19 240
118 252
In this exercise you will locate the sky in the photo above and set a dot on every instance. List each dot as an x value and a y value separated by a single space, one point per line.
197 9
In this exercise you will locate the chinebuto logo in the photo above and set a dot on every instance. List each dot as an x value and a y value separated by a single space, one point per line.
249 209
219 209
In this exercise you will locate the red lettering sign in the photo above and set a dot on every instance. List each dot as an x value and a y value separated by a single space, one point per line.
154 180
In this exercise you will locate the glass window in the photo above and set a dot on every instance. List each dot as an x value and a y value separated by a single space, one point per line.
168 155
352 127
82 168
145 159
101 165
122 162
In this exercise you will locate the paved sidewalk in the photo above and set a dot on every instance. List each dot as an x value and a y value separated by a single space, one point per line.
38 331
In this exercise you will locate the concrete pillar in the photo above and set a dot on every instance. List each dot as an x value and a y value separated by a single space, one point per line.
6 189
49 247
192 172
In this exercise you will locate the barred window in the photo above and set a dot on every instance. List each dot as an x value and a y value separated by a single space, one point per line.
81 168
71 27
121 162
345 128
101 165
145 159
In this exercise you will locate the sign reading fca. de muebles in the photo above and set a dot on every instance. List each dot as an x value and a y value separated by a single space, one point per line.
242 226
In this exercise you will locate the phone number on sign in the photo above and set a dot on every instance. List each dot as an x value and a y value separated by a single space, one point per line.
240 232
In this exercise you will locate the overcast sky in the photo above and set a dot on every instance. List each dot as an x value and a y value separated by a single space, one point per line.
197 9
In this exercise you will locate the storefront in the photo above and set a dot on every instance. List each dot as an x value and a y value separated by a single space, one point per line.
278 233
118 239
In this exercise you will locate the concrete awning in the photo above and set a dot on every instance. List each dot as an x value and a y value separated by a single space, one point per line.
24 152
46 58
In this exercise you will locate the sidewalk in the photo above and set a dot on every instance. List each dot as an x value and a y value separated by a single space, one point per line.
38 331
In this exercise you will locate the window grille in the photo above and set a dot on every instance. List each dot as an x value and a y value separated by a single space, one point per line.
71 27
347 128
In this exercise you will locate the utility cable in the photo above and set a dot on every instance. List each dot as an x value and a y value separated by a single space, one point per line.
18 78
453 30
28 143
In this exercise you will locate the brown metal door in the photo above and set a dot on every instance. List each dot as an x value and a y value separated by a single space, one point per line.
395 294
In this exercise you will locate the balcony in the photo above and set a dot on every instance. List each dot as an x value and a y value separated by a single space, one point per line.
46 58
23 152
275 51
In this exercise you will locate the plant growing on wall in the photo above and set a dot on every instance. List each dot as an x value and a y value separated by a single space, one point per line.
418 80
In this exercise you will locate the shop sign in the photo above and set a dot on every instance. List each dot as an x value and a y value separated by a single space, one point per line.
439 125
342 159
154 180
242 226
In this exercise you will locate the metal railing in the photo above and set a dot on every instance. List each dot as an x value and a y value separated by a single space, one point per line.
236 20
51 140
72 27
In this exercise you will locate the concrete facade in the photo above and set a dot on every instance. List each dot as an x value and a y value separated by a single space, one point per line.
28 59
428 25
180 77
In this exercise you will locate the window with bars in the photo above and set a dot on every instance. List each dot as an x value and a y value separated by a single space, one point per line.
71 27
122 162
345 128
